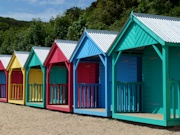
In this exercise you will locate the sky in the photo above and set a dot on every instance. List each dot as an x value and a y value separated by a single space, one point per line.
43 9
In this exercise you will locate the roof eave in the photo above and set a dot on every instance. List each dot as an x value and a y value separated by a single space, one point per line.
11 60
78 46
172 44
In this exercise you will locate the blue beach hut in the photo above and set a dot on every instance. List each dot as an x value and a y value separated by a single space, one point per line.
92 73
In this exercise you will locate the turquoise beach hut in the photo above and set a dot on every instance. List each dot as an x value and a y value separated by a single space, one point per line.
36 77
155 99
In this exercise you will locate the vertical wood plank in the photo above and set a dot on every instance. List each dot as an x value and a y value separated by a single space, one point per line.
166 87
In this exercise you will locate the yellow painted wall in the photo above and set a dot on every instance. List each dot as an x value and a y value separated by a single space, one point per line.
15 63
35 77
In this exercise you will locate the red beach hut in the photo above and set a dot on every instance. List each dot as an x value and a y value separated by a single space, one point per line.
4 60
59 90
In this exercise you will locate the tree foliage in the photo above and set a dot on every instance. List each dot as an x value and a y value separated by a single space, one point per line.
101 14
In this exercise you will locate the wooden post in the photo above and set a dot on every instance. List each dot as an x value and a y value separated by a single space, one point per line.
47 84
75 65
114 84
115 58
108 93
24 84
44 85
69 68
27 82
166 85
9 85
6 73
70 86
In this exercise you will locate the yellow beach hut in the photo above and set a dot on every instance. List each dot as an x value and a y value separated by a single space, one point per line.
16 79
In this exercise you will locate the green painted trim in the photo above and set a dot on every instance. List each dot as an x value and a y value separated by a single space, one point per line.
27 81
35 104
156 37
140 119
173 122
117 57
118 38
172 44
114 84
166 83
44 85
26 65
157 51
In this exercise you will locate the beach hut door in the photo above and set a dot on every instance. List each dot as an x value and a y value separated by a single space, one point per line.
88 85
2 84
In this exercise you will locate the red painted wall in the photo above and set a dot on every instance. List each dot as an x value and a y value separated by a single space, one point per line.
1 66
88 73
56 55
17 77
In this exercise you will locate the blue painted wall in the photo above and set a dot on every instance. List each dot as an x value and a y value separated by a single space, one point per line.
101 100
2 77
129 69
88 48
3 81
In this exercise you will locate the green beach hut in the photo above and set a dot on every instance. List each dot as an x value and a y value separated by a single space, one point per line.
155 99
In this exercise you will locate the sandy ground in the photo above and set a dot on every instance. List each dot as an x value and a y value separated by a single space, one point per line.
23 120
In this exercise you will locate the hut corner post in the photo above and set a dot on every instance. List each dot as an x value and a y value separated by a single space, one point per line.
27 84
44 85
115 58
166 83
70 85
47 84
75 90
104 59
24 85
6 73
9 84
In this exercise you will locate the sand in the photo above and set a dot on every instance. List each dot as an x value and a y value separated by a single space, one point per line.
23 120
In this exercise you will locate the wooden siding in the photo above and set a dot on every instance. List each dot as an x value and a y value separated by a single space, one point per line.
34 61
152 79
35 76
56 55
174 75
101 98
135 37
88 49
58 75
1 66
128 68
2 77
17 77
15 63
87 73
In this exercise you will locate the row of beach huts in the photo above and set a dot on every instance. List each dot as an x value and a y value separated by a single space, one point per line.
131 75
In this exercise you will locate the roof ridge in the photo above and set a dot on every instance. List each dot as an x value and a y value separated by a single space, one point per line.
101 31
61 40
5 55
22 52
40 47
163 17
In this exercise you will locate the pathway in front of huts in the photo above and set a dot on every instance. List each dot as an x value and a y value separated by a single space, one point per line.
23 120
